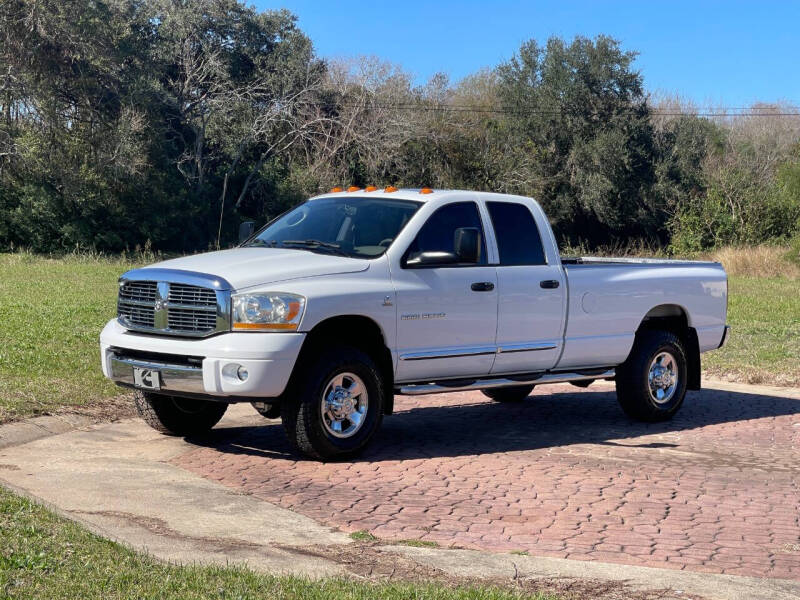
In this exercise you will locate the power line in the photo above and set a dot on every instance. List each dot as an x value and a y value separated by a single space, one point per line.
721 113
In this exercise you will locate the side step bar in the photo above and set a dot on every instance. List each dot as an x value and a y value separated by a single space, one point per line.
419 389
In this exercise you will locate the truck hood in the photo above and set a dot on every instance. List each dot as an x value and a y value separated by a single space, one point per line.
247 267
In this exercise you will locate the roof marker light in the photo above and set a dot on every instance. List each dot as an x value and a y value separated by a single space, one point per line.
370 188
335 189
426 191
389 189
353 188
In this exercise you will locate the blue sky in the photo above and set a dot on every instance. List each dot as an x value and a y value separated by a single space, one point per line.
714 53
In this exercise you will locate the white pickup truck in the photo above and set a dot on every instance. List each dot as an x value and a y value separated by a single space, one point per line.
329 311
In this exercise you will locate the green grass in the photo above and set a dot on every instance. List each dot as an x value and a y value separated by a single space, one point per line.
51 314
362 536
52 311
44 556
764 345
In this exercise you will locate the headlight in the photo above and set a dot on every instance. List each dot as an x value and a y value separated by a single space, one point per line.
267 311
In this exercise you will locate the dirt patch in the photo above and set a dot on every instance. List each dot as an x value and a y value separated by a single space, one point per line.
366 560
160 527
105 410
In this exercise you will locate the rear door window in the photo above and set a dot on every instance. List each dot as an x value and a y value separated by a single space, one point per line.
518 238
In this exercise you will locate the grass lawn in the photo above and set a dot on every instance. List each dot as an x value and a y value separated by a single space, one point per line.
51 314
52 311
45 556
764 346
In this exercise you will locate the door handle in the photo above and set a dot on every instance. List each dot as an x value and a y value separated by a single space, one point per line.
482 286
549 284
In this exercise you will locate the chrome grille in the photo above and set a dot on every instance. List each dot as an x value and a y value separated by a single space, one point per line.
172 307
138 291
188 319
141 316
192 295
136 303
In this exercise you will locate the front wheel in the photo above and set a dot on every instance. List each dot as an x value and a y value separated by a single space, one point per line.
336 407
174 415
651 383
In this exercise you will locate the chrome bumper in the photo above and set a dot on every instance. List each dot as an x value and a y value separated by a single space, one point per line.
174 378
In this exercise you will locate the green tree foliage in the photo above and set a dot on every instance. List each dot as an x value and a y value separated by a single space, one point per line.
583 111
127 122
122 120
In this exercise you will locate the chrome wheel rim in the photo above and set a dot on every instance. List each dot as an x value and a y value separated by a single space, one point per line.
344 405
663 377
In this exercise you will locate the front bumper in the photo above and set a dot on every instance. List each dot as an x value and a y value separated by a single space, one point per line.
269 359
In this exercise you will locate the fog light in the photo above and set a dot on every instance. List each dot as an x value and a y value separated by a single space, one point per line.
234 372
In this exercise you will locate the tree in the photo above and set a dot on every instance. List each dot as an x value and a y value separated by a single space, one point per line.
580 109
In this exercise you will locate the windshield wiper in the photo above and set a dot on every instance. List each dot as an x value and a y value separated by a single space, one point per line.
316 245
265 243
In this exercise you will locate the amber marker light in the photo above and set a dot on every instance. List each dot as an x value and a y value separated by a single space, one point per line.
353 188
389 189
335 189
426 191
370 188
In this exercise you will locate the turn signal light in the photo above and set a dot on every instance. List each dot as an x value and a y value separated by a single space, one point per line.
426 191
335 189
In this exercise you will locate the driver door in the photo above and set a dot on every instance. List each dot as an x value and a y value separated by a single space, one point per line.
447 313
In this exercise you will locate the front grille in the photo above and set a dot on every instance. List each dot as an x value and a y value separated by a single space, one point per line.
141 316
172 308
136 303
187 319
138 291
180 293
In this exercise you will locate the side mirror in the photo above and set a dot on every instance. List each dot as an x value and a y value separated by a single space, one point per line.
467 244
246 229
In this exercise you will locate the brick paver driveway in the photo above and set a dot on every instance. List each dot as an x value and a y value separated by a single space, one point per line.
563 474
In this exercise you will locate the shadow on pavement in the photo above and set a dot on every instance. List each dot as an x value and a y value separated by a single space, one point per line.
541 421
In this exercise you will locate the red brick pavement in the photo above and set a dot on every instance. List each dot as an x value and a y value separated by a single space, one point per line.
564 474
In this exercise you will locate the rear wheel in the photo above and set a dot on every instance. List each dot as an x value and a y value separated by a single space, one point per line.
174 415
336 407
651 383
516 393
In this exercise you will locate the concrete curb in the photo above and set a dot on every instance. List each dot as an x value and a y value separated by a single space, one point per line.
29 430
476 563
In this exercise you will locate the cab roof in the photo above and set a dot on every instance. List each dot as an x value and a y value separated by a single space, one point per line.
415 194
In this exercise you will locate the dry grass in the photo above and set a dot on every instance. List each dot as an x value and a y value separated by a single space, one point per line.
756 261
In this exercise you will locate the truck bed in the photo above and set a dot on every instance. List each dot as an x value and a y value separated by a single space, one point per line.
607 295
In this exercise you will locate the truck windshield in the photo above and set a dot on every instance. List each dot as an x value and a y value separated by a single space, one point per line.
356 226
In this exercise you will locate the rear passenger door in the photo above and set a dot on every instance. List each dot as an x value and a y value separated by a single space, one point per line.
532 293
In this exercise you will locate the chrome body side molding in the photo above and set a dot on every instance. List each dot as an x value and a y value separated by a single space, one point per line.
418 389
478 351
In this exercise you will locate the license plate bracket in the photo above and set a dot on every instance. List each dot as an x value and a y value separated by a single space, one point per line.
146 379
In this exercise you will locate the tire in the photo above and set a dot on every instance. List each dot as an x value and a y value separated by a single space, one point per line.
174 415
516 393
312 430
268 410
640 400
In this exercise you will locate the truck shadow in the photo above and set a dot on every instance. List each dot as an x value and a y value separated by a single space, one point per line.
544 420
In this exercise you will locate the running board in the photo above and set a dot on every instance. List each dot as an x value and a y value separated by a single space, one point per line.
419 389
